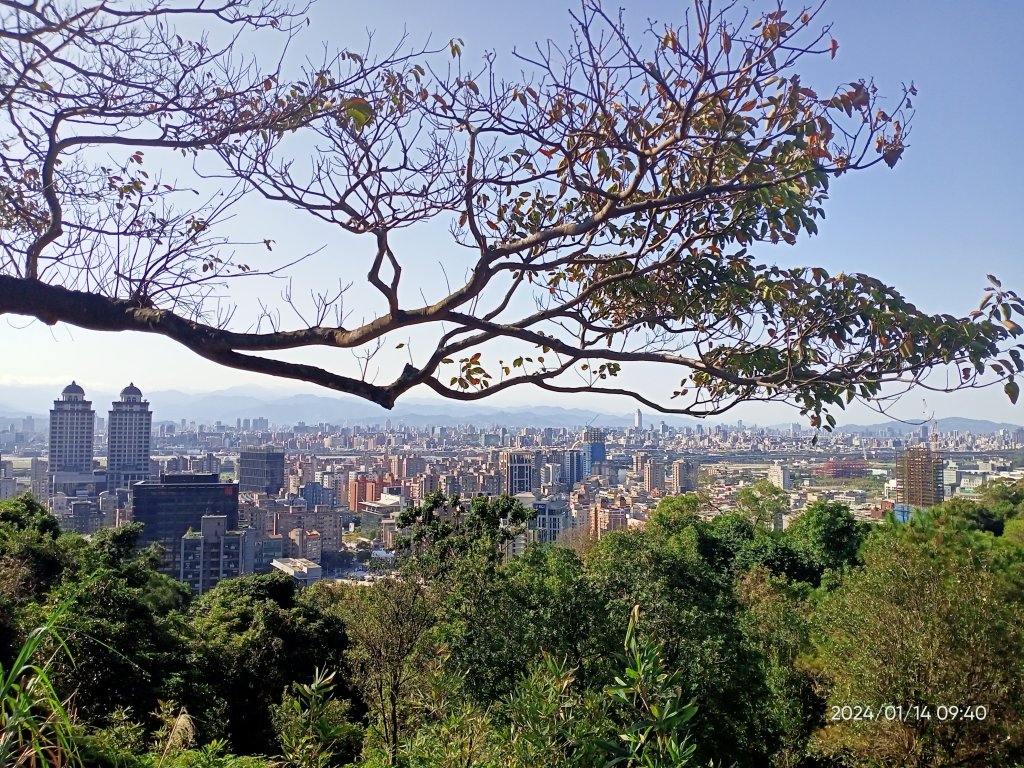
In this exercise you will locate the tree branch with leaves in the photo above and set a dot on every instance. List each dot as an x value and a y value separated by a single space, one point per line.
606 205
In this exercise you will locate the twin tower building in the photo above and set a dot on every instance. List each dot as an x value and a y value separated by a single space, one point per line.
72 438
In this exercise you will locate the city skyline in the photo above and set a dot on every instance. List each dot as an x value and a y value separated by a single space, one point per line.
252 403
880 222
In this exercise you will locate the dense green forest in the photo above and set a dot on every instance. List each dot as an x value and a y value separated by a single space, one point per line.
689 642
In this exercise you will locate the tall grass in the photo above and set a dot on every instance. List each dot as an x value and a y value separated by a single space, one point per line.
36 728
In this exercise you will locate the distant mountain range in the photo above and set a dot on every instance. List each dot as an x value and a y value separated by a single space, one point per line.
228 405
955 423
248 402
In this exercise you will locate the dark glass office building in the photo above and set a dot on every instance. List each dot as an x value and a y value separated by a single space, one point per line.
170 507
261 470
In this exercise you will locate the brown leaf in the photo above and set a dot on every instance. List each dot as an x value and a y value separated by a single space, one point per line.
833 47
892 156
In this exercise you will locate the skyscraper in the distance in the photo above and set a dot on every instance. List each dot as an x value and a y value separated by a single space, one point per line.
129 435
261 470
638 419
519 471
684 475
593 449
72 421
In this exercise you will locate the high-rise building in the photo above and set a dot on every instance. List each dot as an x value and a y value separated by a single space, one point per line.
654 476
129 436
519 471
214 553
685 473
572 468
780 476
171 506
638 419
919 472
362 487
550 475
38 473
639 461
72 421
593 449
261 470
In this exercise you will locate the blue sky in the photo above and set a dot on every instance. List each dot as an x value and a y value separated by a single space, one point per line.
933 227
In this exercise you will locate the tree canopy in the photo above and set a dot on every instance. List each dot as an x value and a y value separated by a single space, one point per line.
687 642
607 204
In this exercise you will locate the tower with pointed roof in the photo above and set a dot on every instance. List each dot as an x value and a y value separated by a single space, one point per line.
129 439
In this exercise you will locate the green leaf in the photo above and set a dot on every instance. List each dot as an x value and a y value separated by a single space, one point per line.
1012 390
358 111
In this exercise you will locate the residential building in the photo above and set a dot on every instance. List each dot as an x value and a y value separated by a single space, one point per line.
214 553
39 478
780 476
654 476
684 475
611 519
361 488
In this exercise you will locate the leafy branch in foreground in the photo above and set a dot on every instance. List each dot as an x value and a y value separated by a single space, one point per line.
658 738
313 726
603 209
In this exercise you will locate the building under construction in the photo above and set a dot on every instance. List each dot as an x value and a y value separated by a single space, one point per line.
919 472
841 468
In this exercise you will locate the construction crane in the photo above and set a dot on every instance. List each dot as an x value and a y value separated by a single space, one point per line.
929 418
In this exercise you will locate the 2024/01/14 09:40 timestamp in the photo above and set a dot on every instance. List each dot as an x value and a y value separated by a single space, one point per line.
907 712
